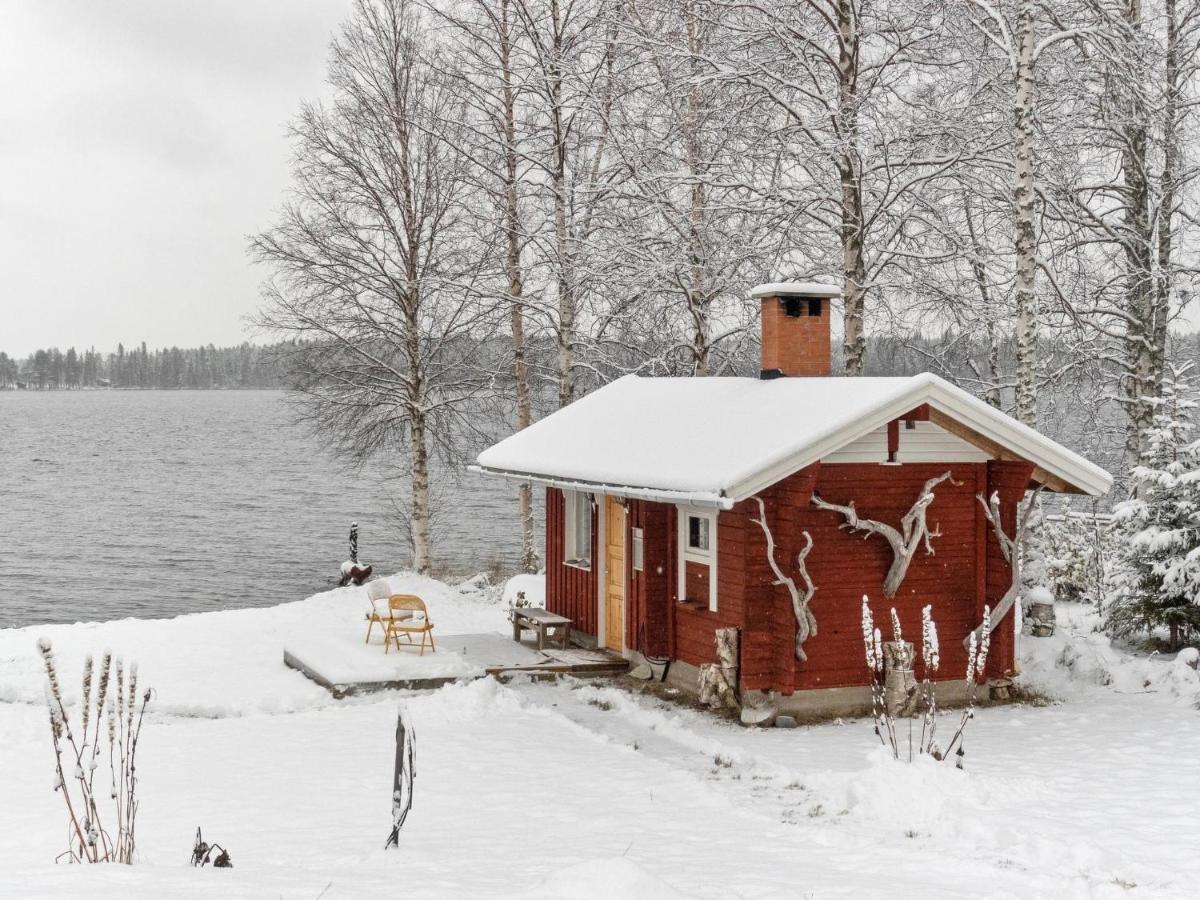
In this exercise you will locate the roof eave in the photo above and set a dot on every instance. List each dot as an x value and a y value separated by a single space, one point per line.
633 492
1078 475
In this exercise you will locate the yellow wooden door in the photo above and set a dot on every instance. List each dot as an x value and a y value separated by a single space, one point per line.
614 577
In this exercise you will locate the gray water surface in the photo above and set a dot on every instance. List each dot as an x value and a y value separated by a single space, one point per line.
156 503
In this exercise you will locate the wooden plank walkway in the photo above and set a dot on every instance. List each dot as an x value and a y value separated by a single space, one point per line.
346 669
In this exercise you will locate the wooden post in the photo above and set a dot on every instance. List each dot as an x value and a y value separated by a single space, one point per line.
403 774
718 681
899 682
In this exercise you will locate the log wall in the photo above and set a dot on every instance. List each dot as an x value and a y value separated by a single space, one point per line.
966 572
570 591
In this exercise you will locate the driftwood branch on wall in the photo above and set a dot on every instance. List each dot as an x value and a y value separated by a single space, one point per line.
1010 547
905 541
806 622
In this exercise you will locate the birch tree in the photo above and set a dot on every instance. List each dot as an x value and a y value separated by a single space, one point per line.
1131 211
373 263
570 46
690 221
484 61
839 72
1022 34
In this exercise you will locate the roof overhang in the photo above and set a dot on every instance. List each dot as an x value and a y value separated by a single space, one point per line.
969 418
657 495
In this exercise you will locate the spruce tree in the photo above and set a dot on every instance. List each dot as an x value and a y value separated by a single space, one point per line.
1157 579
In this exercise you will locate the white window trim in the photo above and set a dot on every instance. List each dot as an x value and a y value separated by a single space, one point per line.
687 554
571 500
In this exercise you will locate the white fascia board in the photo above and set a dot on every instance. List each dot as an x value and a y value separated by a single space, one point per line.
974 414
820 449
657 495
1022 440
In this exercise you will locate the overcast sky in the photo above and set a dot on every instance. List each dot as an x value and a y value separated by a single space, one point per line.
141 142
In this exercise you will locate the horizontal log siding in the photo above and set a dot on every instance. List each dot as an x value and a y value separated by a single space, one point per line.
695 625
1009 479
570 591
965 572
845 566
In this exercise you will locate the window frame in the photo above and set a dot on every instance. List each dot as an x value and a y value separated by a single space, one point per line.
637 549
688 553
571 521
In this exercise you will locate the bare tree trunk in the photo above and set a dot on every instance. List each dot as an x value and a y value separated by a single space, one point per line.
563 249
1025 236
979 273
1143 362
849 165
1149 240
516 281
1165 226
419 463
698 293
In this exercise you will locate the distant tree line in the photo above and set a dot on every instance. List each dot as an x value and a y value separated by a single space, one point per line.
140 368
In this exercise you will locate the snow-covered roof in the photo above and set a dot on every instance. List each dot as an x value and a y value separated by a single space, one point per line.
715 441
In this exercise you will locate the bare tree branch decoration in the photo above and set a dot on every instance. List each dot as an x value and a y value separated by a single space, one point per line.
904 542
806 622
1010 547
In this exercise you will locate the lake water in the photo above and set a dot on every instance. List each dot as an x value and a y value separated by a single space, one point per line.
156 503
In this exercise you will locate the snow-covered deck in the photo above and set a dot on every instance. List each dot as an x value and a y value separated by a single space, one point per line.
345 665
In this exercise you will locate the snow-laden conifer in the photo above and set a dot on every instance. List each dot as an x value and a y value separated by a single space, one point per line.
1156 578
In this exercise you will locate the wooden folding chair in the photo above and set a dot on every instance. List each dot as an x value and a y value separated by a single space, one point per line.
415 622
378 590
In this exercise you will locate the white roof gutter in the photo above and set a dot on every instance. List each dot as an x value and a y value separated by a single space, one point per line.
691 498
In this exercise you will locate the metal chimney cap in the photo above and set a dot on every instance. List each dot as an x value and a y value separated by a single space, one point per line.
796 289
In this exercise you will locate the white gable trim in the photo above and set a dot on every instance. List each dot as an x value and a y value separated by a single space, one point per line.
924 442
974 414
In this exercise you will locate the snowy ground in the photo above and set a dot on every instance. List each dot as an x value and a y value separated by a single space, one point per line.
582 790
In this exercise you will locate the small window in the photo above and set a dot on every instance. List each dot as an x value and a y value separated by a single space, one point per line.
638 550
698 557
577 535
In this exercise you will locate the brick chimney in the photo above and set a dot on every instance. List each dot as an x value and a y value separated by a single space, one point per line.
795 328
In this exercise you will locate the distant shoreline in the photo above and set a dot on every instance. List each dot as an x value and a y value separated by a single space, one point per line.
13 389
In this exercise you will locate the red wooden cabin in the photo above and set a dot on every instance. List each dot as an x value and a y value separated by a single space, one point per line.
652 490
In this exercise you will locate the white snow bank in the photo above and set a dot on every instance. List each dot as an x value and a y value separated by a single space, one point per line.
1079 657
613 877
532 586
230 662
1094 797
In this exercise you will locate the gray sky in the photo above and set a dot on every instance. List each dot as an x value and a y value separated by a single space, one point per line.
141 141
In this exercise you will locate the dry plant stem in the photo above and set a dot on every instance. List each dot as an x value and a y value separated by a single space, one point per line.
114 714
62 786
914 531
976 662
60 725
806 622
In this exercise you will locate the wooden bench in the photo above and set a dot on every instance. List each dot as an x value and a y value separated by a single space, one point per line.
547 625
